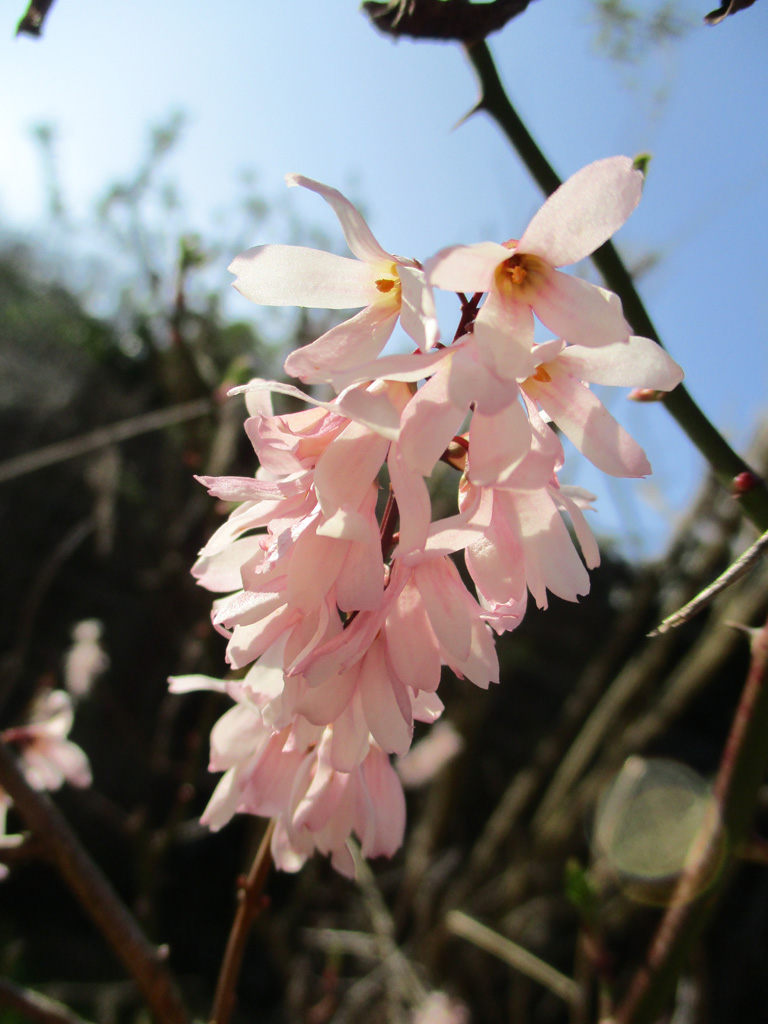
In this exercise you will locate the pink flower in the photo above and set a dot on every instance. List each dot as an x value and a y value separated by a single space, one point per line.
288 774
556 387
525 544
48 758
389 287
521 278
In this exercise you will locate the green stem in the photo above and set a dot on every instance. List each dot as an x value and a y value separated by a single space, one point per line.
724 461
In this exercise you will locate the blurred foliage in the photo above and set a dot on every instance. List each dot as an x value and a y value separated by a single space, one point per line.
628 31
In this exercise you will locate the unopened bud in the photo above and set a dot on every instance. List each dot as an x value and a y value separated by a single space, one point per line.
641 161
456 453
743 483
645 395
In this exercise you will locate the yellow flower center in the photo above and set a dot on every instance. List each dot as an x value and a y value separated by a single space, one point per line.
520 277
389 281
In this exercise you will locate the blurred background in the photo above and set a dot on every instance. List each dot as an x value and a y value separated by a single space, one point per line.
143 146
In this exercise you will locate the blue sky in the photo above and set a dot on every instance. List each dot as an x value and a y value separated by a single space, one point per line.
312 88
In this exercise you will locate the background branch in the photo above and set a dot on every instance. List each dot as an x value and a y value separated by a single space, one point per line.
98 898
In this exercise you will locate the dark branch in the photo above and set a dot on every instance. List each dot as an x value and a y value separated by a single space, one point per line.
457 20
32 22
715 17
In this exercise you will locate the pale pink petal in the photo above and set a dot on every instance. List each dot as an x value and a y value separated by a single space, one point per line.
406 368
465 268
314 565
221 571
413 501
372 410
587 423
428 424
385 701
497 444
343 861
495 562
584 535
637 363
504 337
267 791
411 645
224 801
357 233
360 584
580 312
584 212
440 587
445 536
69 763
551 562
471 381
356 341
239 733
347 468
248 642
291 275
386 797
481 666
246 488
285 855
427 707
323 704
190 684
418 316
350 737
246 606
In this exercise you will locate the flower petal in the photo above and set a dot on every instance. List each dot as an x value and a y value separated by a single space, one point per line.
504 337
417 311
637 363
584 419
580 312
358 340
497 444
465 268
357 233
584 212
292 275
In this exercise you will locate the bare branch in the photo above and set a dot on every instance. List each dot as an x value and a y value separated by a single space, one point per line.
32 22
734 572
110 915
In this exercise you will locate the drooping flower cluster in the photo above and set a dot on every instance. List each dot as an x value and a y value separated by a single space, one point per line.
343 603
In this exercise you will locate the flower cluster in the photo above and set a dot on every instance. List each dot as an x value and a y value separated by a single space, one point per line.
343 603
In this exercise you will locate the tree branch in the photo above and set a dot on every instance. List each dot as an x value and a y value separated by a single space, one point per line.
110 915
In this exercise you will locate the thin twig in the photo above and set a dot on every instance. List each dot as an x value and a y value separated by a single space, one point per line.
102 437
250 903
516 956
34 1006
110 915
34 18
734 572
